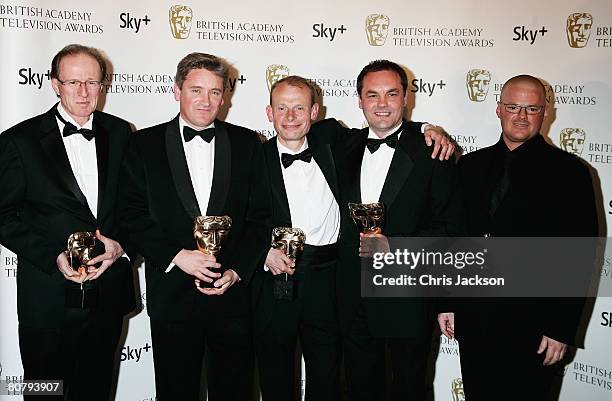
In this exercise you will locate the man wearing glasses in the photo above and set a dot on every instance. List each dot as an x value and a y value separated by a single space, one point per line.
520 187
59 173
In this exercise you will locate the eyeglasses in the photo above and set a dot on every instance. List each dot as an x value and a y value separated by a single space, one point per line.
530 109
74 83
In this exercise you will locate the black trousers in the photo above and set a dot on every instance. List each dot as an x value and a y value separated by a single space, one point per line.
178 355
82 354
312 318
489 363
365 365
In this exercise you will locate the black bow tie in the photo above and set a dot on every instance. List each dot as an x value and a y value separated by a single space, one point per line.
288 159
391 140
70 129
207 134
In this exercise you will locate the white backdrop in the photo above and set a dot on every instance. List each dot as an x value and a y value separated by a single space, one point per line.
438 41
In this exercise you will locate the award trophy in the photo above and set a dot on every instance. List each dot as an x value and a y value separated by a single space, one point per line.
209 233
80 250
369 217
291 241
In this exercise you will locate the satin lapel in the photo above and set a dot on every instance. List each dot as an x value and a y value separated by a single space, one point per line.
180 171
102 139
53 146
325 160
279 192
400 168
354 161
222 171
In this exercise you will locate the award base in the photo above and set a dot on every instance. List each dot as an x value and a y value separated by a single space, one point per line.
284 288
204 284
82 298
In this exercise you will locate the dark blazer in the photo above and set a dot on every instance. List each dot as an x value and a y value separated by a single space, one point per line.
271 209
417 194
550 195
42 204
159 205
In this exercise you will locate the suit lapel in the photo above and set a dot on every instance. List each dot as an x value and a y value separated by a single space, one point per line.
178 167
400 168
53 146
222 171
322 154
102 139
354 161
279 192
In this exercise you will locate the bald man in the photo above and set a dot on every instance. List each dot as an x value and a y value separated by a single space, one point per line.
519 187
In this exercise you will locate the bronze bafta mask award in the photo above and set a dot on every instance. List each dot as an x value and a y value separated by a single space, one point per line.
369 217
209 233
80 250
291 241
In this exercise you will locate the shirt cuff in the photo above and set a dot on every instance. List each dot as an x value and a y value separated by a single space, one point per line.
170 266
423 127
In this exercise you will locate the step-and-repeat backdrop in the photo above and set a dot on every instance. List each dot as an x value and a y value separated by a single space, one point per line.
458 54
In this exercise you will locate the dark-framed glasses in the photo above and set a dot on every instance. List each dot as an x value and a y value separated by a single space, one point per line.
529 108
75 83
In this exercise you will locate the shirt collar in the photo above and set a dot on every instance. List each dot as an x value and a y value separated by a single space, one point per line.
183 123
284 149
372 134
62 112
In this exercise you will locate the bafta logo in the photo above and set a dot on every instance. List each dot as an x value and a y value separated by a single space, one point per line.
477 82
457 389
578 29
80 249
289 240
180 21
572 140
276 72
377 28
210 232
369 217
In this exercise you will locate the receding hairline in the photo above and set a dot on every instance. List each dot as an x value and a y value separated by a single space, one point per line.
522 80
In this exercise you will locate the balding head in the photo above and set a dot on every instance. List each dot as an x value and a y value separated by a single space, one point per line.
524 80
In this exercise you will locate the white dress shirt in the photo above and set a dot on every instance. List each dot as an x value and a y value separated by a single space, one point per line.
200 157
312 204
374 168
82 157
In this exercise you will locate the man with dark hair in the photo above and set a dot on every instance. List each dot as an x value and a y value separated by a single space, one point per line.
59 176
520 187
191 166
388 162
298 189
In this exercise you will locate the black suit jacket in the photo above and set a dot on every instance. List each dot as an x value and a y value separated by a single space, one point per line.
159 206
550 195
271 207
418 193
42 205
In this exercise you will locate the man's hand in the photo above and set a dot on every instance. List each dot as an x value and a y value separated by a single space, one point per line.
69 273
112 252
279 263
369 244
446 321
555 350
443 145
229 278
196 264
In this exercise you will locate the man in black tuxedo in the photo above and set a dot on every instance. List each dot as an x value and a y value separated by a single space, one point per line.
194 165
59 173
388 162
519 187
298 189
